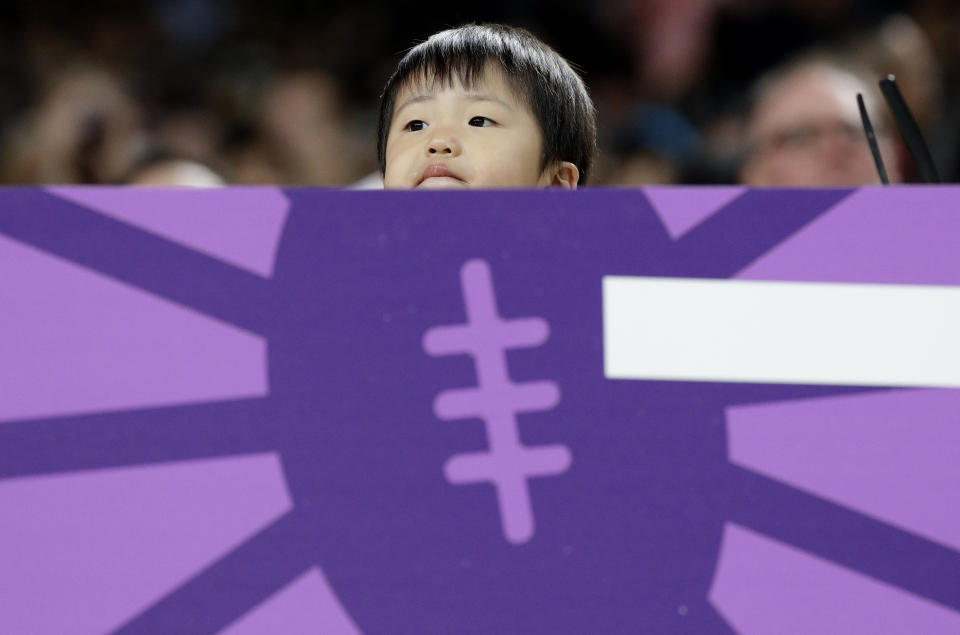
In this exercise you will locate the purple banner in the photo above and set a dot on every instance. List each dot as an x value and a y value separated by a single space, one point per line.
253 410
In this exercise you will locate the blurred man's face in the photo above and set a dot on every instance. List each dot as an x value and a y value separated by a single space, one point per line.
806 132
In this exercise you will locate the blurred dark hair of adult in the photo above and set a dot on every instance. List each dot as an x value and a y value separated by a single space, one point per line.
653 145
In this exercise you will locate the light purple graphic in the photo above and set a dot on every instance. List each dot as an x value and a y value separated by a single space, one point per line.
83 552
765 586
891 455
107 319
497 400
878 234
682 209
239 225
74 341
306 606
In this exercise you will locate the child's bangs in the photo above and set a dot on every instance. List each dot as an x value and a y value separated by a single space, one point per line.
442 69
434 72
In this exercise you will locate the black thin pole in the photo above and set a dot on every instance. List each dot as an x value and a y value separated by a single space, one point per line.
909 130
872 141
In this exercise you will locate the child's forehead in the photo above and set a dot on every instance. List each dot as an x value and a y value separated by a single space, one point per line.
491 79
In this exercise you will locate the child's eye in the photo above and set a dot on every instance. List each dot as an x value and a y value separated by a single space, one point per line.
482 122
415 125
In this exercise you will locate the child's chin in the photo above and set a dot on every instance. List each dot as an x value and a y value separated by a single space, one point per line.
442 183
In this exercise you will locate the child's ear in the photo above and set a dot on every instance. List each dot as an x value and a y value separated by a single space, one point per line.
564 174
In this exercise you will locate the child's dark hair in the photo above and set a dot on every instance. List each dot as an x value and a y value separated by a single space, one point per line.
553 90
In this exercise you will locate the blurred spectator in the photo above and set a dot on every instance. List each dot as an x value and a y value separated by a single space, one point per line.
804 129
655 145
672 40
306 132
86 129
286 93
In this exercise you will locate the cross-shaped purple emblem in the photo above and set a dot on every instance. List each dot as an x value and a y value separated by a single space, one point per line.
497 400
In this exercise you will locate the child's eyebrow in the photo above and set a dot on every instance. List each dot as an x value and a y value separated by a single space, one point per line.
483 97
469 96
416 99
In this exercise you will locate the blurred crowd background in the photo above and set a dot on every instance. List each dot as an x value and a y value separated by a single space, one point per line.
201 92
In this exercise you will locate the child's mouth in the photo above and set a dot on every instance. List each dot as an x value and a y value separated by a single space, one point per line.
437 171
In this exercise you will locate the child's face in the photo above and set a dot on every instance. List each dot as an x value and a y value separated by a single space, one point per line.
454 137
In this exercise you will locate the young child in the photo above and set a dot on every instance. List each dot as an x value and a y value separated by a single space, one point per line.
485 106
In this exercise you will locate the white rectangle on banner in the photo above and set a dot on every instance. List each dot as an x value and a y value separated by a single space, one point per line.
781 332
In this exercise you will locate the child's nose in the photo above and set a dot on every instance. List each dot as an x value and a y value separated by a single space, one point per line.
443 143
